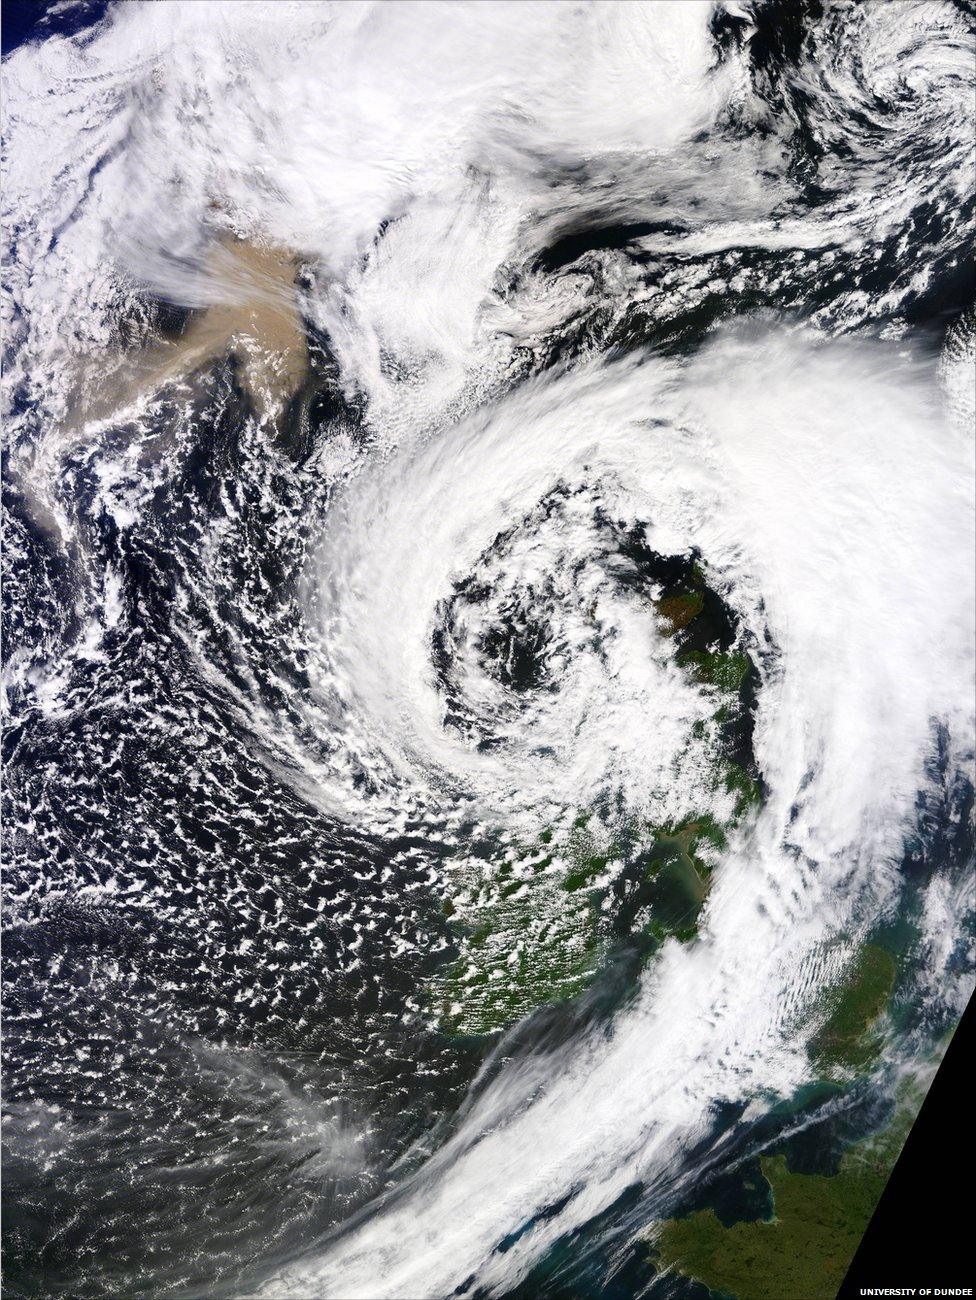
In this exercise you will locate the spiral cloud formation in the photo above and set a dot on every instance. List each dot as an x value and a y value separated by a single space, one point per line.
489 598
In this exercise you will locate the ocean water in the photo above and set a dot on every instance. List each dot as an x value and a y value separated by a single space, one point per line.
489 628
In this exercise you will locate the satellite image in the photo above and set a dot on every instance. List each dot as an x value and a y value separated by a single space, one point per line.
488 640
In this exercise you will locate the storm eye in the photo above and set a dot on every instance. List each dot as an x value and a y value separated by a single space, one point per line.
516 653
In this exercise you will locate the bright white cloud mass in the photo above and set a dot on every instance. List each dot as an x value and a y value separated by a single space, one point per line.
489 625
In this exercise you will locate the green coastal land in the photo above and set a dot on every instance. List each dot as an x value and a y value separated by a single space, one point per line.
534 925
818 1220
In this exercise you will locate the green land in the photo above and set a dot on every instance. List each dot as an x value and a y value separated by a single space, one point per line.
805 1249
524 941
530 934
532 927
844 1041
